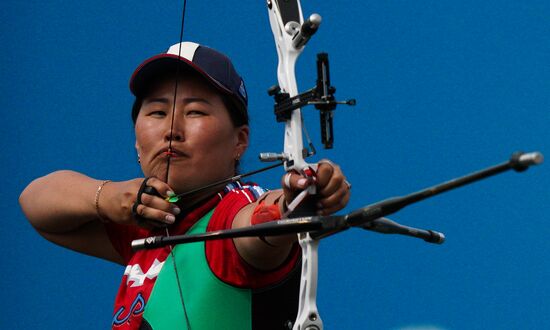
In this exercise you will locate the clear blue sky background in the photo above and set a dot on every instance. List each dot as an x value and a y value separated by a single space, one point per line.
443 88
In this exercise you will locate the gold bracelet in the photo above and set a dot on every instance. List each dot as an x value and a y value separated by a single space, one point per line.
97 193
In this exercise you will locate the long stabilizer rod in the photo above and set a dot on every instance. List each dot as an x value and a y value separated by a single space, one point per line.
519 162
370 217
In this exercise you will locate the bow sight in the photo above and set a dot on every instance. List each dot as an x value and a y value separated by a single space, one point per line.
321 96
291 35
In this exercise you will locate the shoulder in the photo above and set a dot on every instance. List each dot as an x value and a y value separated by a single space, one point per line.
248 192
234 198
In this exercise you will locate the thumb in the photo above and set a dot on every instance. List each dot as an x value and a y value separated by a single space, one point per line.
293 183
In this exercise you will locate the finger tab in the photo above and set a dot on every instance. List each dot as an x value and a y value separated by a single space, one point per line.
151 191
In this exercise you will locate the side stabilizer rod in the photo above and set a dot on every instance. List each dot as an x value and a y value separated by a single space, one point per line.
387 226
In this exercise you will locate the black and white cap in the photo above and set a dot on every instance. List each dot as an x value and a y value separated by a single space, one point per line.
214 66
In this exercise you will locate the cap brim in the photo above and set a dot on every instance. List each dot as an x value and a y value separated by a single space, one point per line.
165 64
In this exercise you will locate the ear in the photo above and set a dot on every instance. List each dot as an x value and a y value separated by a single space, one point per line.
242 135
137 147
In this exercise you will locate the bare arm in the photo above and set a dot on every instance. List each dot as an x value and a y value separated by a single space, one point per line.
61 206
264 254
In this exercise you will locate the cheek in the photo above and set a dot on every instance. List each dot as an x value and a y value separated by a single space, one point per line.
217 136
216 143
146 134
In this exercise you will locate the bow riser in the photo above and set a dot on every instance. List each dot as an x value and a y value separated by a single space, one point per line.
286 22
284 33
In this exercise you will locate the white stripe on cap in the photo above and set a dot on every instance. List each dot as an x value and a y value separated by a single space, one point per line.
188 50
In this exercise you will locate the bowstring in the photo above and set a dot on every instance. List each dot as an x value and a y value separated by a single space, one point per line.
169 157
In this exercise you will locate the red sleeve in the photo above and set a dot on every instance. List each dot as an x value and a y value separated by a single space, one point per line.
223 258
121 237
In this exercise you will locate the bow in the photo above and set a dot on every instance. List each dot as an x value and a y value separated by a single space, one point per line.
291 33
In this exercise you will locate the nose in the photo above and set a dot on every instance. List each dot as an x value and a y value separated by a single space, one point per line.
174 135
174 132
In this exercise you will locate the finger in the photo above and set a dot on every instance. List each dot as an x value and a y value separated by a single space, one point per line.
159 203
160 186
294 181
325 171
324 202
330 180
157 217
335 184
334 203
153 196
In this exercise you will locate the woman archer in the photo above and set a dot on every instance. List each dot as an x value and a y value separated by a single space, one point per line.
191 126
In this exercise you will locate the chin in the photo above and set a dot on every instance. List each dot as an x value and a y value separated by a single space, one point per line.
158 172
181 181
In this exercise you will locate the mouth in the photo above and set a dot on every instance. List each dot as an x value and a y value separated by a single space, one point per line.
171 152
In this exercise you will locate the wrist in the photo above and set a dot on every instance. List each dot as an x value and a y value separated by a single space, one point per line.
98 202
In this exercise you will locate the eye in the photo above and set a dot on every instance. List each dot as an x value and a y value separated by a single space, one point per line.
195 113
157 113
155 107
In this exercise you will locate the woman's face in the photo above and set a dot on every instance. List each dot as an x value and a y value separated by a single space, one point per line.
205 143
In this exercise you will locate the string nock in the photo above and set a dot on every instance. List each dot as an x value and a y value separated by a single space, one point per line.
521 161
172 199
